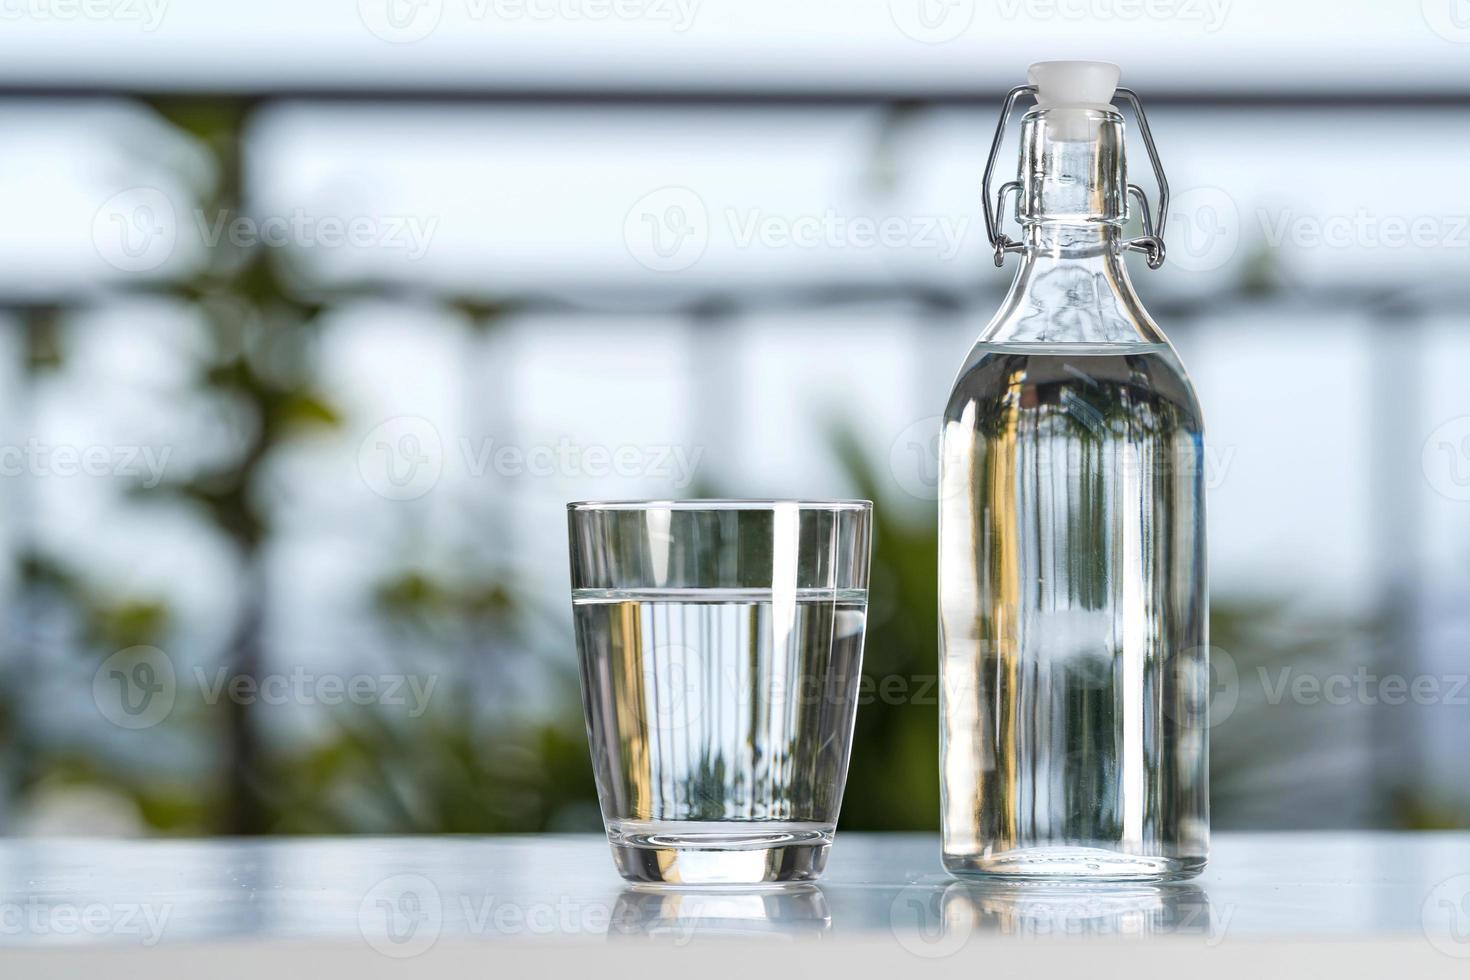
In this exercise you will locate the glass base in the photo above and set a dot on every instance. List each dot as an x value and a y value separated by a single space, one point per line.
1073 864
683 852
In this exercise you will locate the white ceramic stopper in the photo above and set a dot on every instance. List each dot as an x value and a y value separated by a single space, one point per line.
1074 84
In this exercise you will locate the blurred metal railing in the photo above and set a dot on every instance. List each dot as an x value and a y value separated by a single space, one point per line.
1395 314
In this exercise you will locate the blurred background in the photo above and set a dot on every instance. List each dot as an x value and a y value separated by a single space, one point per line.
314 316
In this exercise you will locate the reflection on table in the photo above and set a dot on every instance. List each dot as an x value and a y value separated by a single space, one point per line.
793 911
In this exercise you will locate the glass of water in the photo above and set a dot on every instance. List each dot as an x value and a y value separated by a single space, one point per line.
721 645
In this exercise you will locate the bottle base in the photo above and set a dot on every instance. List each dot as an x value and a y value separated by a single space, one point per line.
718 853
1072 864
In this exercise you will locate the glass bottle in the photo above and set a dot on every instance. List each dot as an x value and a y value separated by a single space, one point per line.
1073 607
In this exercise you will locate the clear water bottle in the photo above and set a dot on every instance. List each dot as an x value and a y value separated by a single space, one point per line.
1071 526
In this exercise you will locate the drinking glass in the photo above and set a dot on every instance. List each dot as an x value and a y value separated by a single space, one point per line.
721 646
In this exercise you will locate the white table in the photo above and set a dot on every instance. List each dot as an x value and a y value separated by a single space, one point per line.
1376 903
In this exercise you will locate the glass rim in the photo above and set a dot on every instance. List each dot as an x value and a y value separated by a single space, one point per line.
722 503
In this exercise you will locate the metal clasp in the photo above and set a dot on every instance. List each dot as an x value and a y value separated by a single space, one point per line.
1151 242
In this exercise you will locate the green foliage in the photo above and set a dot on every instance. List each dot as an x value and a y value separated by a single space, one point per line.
469 766
447 772
893 779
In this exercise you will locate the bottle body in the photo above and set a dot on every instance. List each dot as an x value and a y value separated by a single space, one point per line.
1073 614
1072 589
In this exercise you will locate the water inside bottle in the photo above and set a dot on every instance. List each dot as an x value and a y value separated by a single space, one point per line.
1073 614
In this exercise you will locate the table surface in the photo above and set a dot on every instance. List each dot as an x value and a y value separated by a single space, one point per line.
401 896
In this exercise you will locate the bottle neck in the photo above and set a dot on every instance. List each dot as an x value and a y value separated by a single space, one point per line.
1072 286
1072 168
1069 240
